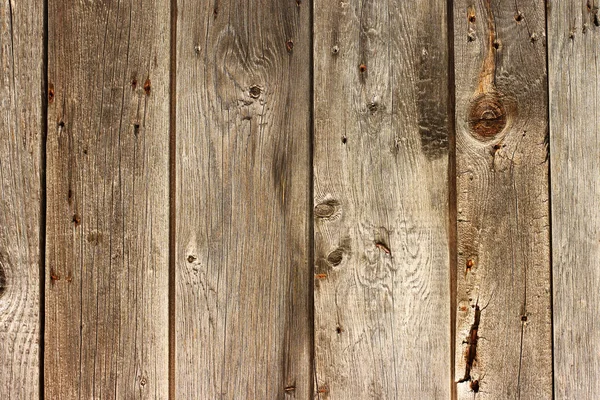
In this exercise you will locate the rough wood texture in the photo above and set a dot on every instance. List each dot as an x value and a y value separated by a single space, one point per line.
108 200
243 302
382 303
503 340
574 80
21 56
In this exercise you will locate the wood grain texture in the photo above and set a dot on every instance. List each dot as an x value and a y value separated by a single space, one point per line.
382 273
503 340
21 135
108 200
243 306
574 83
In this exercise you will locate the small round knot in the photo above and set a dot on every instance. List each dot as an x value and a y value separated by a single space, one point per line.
335 257
487 116
255 92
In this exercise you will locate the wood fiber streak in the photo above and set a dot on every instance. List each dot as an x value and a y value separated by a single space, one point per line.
243 306
21 135
503 335
382 272
108 200
574 82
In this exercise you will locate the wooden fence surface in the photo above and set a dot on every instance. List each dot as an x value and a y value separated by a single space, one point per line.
294 199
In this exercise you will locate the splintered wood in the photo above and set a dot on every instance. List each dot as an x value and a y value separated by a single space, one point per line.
298 199
503 350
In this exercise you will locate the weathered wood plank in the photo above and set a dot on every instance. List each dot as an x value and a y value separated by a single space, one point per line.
21 133
108 200
574 83
503 340
382 273
243 306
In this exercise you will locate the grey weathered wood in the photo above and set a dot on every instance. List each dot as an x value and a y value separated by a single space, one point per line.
574 83
503 340
382 273
108 200
21 57
242 200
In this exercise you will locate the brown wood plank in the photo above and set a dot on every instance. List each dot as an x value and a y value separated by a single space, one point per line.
243 306
21 135
574 83
108 200
503 339
382 272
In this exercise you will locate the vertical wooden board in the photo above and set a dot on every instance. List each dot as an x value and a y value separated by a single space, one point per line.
108 200
574 83
243 305
21 58
503 340
382 273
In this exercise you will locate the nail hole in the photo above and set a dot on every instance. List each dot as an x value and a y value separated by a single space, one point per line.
519 16
470 264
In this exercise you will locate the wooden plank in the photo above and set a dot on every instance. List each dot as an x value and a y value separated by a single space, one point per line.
108 200
21 135
243 306
574 83
503 340
382 272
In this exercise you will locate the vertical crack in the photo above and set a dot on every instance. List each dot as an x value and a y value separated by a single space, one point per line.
172 197
43 196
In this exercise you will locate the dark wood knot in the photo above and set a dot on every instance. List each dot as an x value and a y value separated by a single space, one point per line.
487 116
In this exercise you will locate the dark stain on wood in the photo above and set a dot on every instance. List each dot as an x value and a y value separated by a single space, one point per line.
432 113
